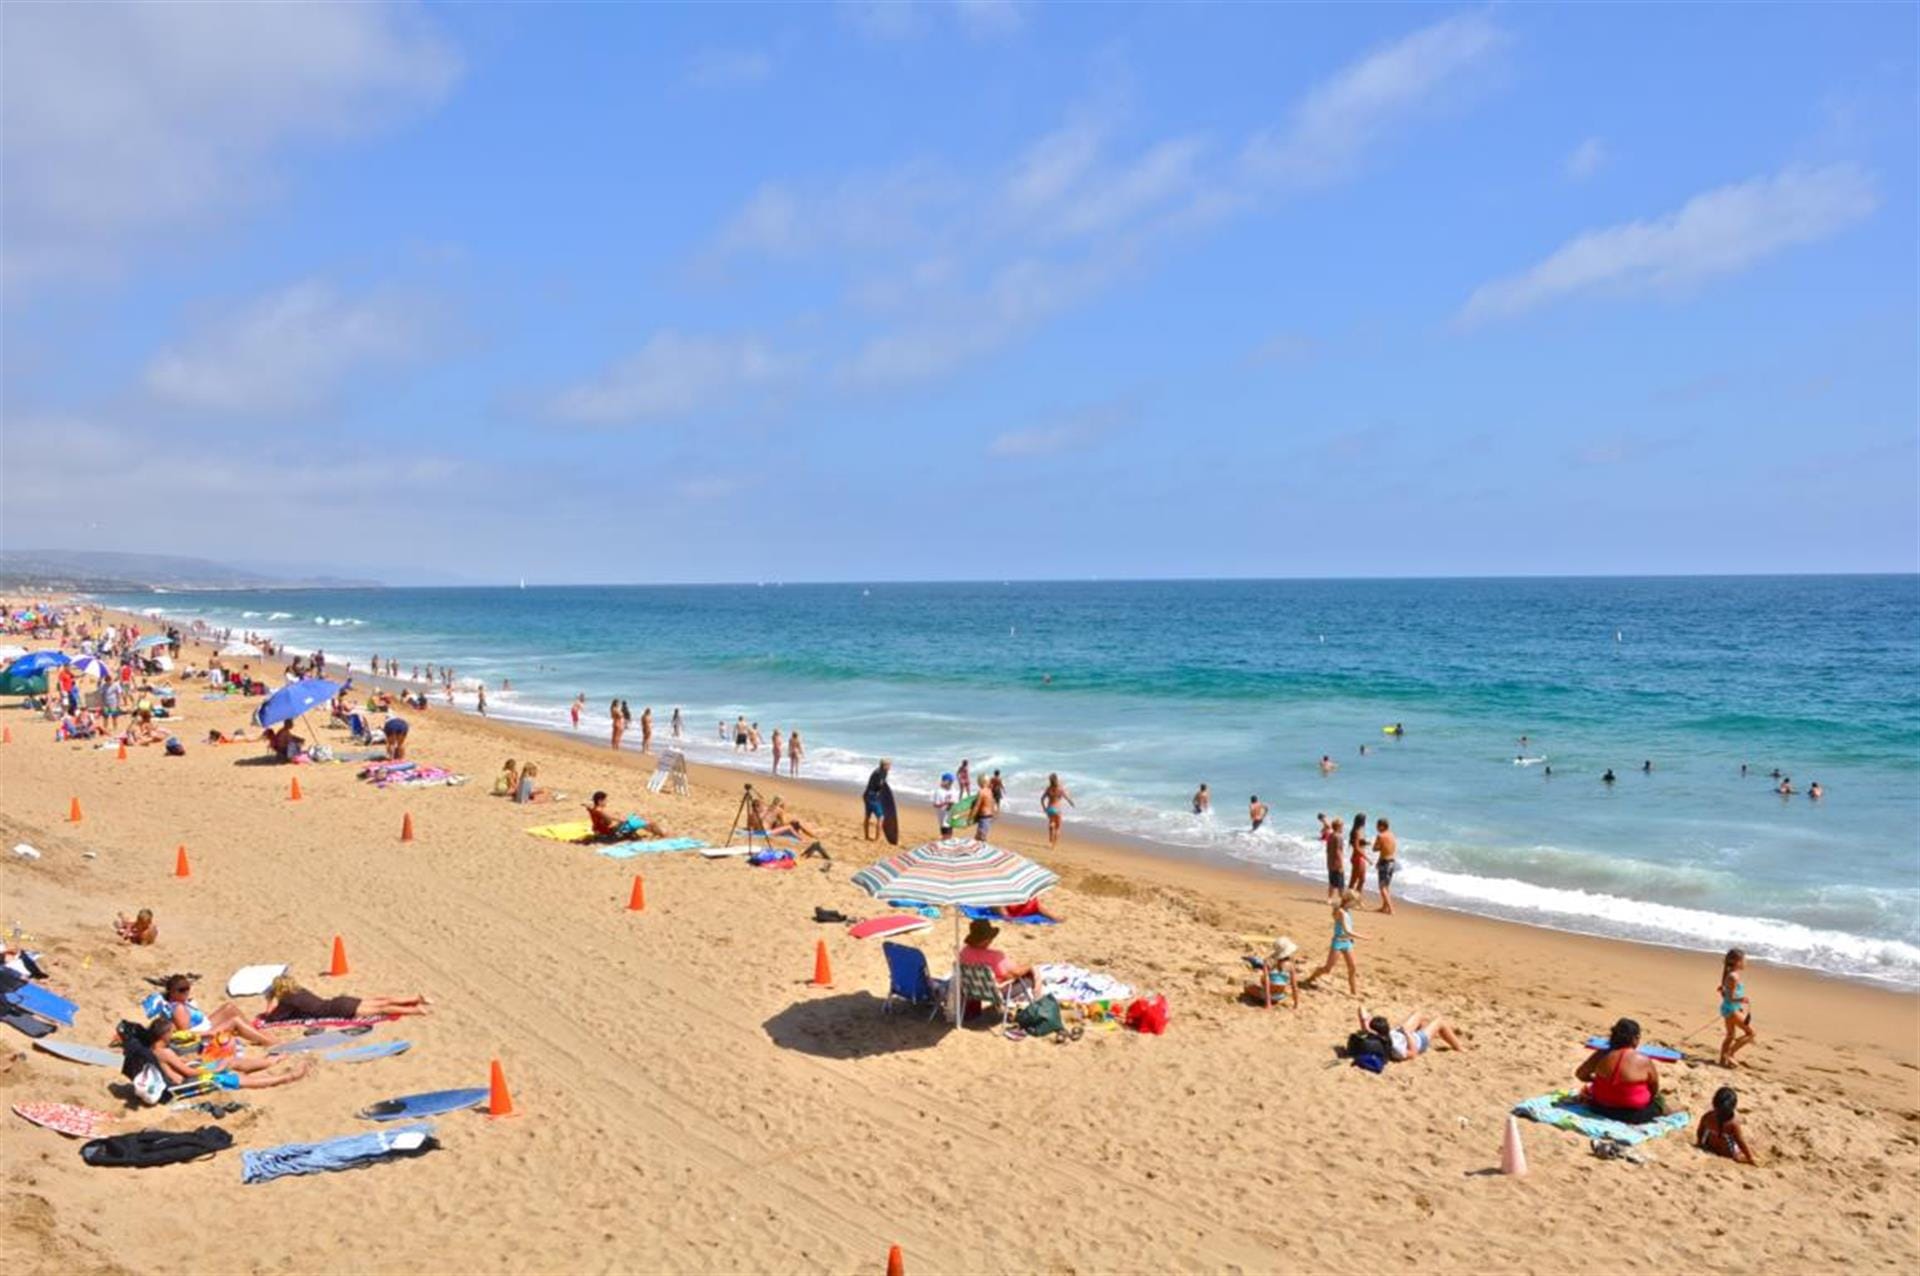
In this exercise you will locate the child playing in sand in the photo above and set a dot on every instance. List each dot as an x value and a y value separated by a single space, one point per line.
1278 973
1736 1009
140 930
1720 1132
1342 946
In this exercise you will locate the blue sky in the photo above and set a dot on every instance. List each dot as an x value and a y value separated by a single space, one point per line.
963 290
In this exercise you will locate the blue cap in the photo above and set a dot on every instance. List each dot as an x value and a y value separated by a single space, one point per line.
947 778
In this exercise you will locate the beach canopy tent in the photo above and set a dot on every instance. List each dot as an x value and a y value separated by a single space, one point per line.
37 662
957 873
295 699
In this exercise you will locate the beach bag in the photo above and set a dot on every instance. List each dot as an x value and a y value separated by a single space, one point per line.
1148 1014
155 1147
1364 1046
1040 1018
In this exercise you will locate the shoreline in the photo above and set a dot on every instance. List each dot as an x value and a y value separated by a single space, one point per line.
687 1100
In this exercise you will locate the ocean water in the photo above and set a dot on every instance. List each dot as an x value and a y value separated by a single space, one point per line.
1136 692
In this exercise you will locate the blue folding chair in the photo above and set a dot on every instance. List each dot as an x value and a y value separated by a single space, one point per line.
908 978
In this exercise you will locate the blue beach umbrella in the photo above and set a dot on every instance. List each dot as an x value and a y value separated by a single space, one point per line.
152 640
295 699
37 662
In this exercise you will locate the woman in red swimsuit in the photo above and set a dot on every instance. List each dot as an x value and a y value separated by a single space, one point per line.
1621 1082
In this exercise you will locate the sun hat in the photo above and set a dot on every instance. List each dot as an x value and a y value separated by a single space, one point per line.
981 931
1284 947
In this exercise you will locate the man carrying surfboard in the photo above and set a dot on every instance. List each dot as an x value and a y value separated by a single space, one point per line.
876 809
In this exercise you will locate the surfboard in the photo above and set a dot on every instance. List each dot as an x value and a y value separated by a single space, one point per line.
724 852
98 1056
887 927
69 1119
1665 1054
318 1041
1529 761
373 1050
22 1022
889 816
252 981
432 1103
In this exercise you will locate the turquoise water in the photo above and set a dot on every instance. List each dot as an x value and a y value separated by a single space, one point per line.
1157 686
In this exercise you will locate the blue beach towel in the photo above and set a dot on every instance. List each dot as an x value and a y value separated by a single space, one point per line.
988 915
344 1153
914 906
627 850
1563 1111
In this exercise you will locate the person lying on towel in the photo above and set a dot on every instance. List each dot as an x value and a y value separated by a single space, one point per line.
608 829
286 999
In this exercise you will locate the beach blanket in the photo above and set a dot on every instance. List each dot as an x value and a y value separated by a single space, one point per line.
570 831
263 1165
988 915
1078 984
1564 1112
659 846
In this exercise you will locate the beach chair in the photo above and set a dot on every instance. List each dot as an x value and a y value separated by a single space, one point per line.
670 774
978 984
908 979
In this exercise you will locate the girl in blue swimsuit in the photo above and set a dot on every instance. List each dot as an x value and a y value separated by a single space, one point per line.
1736 1010
1342 946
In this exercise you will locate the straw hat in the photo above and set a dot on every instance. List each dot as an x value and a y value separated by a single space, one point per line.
981 931
1284 947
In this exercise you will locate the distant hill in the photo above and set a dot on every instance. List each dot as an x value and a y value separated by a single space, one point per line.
106 570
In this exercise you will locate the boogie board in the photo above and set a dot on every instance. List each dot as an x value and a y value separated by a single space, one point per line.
67 1118
318 1041
424 1105
253 981
724 852
373 1050
42 1002
21 1021
79 1053
887 927
889 815
1664 1054
963 810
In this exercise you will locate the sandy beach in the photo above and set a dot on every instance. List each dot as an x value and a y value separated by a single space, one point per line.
686 1101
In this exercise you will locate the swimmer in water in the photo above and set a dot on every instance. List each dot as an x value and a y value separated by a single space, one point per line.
1327 765
1202 801
1646 768
1608 777
1256 812
1815 792
1786 786
1548 772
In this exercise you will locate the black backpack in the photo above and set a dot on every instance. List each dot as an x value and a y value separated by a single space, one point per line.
1359 1043
156 1147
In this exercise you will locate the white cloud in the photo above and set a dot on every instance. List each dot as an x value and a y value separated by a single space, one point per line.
1586 159
128 121
1335 124
1720 232
729 68
1077 432
673 376
290 352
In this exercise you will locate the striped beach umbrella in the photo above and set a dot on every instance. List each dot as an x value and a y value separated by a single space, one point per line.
91 667
957 873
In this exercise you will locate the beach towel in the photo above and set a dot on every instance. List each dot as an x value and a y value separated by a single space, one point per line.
988 915
570 831
1564 1112
261 1165
914 905
1079 985
659 846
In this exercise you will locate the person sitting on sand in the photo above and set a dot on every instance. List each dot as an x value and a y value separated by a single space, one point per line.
231 1072
977 951
1279 973
1719 1131
285 744
608 829
1341 947
1414 1037
286 999
140 929
527 792
779 820
185 1016
1622 1083
508 781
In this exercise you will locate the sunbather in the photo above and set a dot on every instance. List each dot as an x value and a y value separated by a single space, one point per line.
1412 1038
185 1016
1621 1082
139 929
778 821
172 1052
286 999
630 829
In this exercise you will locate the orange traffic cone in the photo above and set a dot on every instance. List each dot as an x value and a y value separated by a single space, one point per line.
499 1102
1513 1154
637 902
122 755
406 827
6 735
180 868
293 790
896 1263
73 812
822 968
339 966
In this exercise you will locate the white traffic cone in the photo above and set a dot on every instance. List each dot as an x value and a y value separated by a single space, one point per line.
1513 1154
